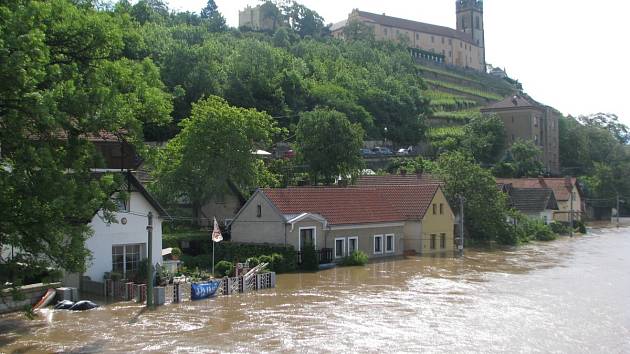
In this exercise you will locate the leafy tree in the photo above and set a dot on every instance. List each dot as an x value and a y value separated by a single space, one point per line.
409 166
358 31
215 144
271 12
485 206
64 78
329 144
527 158
609 122
303 20
210 13
485 138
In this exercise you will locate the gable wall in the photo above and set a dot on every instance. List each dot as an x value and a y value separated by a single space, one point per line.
134 232
268 228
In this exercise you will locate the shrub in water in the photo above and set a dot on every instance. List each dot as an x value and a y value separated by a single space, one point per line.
252 262
309 258
265 259
277 263
559 228
223 269
357 258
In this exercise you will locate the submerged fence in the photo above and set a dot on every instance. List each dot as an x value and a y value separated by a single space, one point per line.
179 292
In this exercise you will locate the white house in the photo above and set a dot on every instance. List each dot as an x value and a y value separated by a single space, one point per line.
120 247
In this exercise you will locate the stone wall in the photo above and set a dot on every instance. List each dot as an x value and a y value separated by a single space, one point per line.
30 294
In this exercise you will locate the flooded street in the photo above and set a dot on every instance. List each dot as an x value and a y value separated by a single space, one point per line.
571 295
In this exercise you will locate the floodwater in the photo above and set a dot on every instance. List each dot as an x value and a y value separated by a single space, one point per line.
569 296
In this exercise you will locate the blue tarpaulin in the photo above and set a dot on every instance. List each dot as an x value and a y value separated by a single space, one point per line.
200 291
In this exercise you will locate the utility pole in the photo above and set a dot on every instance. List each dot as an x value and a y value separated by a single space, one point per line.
571 214
461 225
617 210
150 261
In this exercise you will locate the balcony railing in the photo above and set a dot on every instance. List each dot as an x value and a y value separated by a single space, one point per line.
325 255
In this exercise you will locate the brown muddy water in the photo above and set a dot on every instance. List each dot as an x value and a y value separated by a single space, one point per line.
570 296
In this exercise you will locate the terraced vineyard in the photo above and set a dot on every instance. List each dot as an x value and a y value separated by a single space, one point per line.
457 96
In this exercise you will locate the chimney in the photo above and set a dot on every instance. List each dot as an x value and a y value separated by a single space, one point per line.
515 100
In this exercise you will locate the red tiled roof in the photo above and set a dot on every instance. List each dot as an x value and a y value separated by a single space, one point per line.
355 205
561 186
411 201
389 180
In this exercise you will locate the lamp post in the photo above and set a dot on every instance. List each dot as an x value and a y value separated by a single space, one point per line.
150 260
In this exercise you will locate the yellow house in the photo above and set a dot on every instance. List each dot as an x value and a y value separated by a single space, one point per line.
382 221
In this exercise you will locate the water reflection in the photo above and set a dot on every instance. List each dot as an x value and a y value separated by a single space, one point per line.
568 296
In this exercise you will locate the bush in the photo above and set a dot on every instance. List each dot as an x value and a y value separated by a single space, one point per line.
223 269
309 258
357 258
580 226
559 228
176 253
277 263
252 262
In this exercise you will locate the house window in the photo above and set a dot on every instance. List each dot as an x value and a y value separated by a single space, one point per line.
378 244
432 245
126 258
339 247
442 40
450 41
434 209
441 209
442 241
432 39
389 243
307 237
417 36
258 210
353 245
385 31
450 54
477 22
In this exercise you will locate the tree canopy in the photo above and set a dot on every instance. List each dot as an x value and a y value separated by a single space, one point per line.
215 145
329 143
65 76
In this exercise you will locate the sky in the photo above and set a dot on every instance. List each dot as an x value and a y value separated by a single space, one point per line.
569 54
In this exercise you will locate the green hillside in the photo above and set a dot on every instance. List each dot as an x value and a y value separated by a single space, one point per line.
456 96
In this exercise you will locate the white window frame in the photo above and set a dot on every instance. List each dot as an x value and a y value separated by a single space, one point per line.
343 247
380 237
142 253
393 243
300 236
356 238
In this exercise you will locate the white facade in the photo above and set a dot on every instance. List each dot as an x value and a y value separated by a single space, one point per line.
134 232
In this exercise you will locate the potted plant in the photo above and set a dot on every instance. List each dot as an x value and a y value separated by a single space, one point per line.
176 253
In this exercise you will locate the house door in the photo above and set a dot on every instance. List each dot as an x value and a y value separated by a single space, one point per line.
307 237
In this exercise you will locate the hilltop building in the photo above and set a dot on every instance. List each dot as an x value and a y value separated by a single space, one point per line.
462 47
527 119
253 18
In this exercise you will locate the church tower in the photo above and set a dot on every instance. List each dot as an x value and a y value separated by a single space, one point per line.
470 20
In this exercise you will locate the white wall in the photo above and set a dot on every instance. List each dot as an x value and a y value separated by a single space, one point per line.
134 232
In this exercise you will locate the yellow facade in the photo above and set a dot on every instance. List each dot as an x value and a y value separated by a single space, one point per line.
438 222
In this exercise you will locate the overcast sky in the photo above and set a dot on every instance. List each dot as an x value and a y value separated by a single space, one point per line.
569 54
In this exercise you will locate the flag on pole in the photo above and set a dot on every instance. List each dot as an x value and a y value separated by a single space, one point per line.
216 232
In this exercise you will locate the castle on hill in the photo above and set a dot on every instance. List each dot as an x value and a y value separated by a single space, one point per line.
463 47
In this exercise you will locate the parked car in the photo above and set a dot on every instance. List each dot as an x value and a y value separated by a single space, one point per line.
382 151
405 151
367 152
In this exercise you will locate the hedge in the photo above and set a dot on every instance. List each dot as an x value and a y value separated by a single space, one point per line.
285 257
